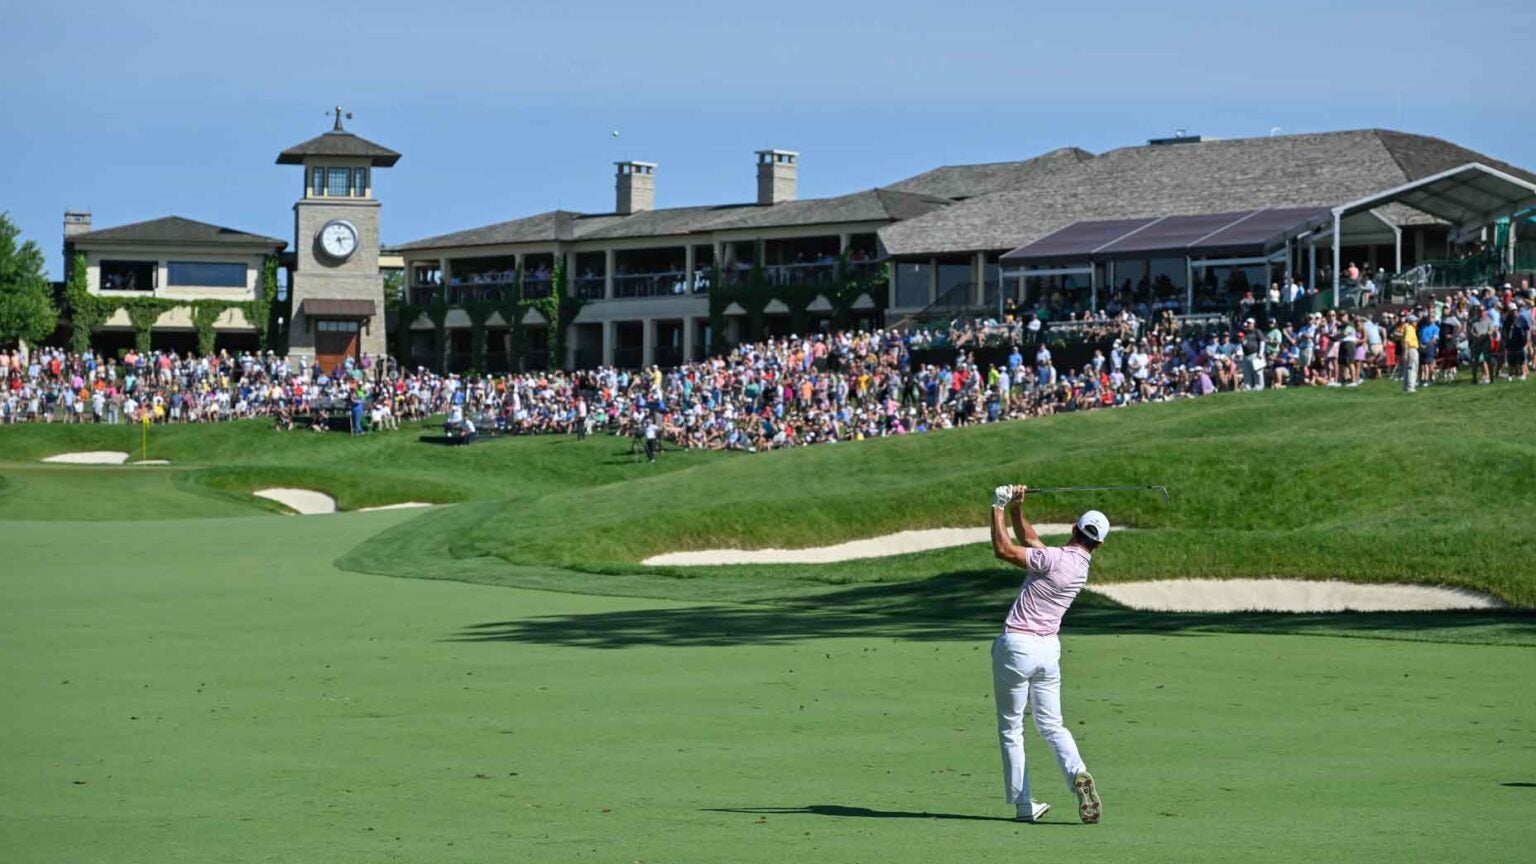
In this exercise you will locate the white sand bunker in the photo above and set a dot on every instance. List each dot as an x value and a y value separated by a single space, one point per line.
94 457
1288 595
305 501
900 543
150 462
403 505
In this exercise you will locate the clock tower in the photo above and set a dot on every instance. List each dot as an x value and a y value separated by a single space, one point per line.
336 290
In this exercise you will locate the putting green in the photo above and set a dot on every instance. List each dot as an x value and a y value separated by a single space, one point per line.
182 691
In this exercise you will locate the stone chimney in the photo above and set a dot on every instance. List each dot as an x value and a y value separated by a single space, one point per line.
76 222
635 185
776 170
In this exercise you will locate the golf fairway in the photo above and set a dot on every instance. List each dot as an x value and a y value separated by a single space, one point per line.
217 690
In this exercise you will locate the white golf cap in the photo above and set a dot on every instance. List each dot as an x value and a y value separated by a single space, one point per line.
1094 525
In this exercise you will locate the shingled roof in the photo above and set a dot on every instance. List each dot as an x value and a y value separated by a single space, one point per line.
175 231
959 182
871 205
548 227
339 143
1323 169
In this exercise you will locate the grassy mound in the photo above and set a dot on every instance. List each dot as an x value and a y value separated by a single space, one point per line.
1369 485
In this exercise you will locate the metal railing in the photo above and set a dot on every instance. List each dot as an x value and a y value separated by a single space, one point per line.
660 284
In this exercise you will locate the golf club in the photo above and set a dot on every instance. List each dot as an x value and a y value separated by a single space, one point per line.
1041 490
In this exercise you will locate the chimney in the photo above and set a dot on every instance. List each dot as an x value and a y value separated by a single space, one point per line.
635 185
76 222
776 171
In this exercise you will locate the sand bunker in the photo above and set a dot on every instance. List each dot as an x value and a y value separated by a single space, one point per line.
151 462
403 505
94 457
1288 595
900 543
305 501
1171 595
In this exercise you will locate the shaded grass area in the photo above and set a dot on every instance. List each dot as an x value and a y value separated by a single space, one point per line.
282 709
957 593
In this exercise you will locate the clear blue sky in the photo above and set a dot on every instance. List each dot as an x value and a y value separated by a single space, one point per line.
502 109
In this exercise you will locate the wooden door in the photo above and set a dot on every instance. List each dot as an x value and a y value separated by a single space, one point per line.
335 341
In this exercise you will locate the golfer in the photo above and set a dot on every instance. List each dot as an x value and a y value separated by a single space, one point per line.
1026 658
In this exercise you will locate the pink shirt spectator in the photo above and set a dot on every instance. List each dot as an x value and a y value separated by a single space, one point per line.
1056 574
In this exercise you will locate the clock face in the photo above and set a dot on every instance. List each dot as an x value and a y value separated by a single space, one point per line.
338 239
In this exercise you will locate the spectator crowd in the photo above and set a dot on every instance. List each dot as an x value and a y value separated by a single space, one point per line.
787 392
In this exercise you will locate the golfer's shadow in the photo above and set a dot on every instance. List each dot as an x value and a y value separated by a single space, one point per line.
862 813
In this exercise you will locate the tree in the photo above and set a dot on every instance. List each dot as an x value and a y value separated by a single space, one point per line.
27 313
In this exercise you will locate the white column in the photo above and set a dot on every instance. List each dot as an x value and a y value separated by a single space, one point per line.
1510 249
1338 239
608 262
570 277
842 243
979 273
647 341
688 265
1311 262
689 324
1189 286
610 341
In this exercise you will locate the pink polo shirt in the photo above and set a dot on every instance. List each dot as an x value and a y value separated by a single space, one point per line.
1056 574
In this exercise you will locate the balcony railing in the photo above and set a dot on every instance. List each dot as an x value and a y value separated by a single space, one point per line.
591 287
660 284
627 357
535 288
669 356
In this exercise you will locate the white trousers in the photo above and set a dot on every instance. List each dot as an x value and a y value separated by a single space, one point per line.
1027 669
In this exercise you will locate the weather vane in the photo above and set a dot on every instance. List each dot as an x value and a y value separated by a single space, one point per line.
339 114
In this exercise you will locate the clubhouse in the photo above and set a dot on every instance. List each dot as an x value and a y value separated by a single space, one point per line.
1187 224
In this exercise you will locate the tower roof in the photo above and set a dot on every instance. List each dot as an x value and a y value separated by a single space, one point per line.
339 142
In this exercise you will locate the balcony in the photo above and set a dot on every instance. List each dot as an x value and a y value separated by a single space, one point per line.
590 287
658 284
536 288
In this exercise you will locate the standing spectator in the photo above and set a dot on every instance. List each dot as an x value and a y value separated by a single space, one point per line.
1481 339
650 432
1407 337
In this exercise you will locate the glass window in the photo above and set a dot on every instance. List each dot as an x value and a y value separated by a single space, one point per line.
912 284
336 182
317 181
952 277
359 182
205 274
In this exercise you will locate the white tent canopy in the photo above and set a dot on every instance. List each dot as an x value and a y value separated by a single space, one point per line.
1469 197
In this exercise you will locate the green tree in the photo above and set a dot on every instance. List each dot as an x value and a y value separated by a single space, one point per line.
27 313
394 290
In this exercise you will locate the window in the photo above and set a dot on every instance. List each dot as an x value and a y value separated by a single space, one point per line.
128 275
205 274
359 182
337 326
912 284
317 182
336 182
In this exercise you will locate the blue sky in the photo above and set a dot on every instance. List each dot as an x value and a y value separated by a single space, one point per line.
139 110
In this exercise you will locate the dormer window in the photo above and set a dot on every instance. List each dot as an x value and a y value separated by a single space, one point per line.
335 182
